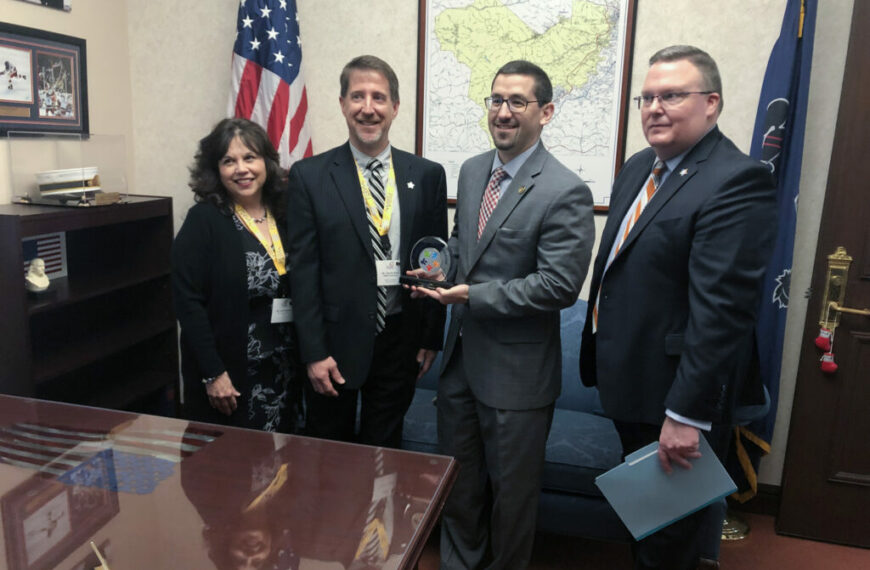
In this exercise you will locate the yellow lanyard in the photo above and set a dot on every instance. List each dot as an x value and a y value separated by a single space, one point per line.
382 222
275 250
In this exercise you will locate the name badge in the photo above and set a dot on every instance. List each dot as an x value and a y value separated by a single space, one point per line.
282 311
388 272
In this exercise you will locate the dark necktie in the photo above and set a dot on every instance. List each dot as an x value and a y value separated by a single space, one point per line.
380 244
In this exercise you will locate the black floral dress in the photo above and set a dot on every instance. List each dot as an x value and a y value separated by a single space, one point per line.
272 391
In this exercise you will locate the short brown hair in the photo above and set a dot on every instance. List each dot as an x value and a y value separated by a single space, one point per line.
700 59
543 88
373 63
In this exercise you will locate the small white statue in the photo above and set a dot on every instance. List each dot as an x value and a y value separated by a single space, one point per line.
36 280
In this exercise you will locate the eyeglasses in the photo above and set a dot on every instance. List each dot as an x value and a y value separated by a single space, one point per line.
667 100
515 104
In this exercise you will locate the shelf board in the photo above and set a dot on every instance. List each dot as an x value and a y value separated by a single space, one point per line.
81 352
62 292
38 219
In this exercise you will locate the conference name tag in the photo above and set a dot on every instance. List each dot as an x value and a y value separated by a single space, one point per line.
388 272
282 311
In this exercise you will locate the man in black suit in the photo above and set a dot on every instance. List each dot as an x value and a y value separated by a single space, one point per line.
669 333
354 213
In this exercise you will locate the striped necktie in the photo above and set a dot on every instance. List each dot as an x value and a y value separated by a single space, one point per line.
643 198
380 244
374 545
490 199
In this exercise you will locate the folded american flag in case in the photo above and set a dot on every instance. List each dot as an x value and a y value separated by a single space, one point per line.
51 248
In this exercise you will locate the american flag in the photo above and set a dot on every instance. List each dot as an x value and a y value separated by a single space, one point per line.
268 87
137 462
51 248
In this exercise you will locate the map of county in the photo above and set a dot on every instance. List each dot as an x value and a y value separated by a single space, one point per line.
579 43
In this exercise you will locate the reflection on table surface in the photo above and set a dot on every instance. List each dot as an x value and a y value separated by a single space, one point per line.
155 492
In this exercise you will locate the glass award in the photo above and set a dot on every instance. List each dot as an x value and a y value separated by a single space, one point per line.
431 258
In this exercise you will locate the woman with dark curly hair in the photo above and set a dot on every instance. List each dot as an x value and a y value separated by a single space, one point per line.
239 358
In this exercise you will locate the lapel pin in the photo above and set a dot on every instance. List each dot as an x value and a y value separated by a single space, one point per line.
410 185
684 171
522 189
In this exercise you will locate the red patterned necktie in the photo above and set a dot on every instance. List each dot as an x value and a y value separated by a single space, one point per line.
490 199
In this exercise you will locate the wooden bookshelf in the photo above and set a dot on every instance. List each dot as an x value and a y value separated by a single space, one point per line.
105 334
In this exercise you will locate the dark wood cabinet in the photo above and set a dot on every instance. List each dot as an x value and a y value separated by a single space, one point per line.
105 334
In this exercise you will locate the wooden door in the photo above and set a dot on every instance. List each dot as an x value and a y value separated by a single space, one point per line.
826 481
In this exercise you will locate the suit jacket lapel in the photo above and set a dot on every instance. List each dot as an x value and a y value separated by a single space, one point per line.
344 176
625 190
470 204
408 197
520 187
684 172
666 192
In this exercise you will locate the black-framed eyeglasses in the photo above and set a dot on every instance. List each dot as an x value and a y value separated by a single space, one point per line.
515 104
667 100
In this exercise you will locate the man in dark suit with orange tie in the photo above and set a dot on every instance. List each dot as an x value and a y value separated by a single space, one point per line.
669 337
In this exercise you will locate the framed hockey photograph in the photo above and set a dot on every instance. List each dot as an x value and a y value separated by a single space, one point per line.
43 81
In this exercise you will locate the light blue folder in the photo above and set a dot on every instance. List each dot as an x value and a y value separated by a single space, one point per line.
648 499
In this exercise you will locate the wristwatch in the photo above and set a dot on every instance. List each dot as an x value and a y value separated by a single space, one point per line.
208 381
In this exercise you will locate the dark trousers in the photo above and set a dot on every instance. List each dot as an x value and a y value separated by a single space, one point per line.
382 400
681 544
489 518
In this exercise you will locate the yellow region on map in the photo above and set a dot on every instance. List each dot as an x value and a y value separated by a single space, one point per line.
485 35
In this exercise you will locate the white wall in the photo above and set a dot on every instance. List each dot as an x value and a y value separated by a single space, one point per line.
160 75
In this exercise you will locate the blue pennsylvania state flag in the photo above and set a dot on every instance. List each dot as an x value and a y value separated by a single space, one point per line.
778 142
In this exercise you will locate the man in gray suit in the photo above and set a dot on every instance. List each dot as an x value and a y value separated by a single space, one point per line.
521 245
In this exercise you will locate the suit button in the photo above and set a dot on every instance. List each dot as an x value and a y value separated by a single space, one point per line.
371 316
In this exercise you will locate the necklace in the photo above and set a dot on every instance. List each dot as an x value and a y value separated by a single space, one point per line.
263 219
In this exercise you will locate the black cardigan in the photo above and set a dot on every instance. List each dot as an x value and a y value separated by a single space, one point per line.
209 286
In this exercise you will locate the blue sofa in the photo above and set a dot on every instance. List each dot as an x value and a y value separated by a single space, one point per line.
582 445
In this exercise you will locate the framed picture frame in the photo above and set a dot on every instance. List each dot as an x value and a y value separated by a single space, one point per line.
586 50
65 5
43 81
45 520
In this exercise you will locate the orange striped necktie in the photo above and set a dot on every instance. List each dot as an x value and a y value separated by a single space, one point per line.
643 198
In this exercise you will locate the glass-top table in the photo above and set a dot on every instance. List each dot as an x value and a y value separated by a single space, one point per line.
155 492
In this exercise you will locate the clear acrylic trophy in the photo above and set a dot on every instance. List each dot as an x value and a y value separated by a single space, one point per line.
432 258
